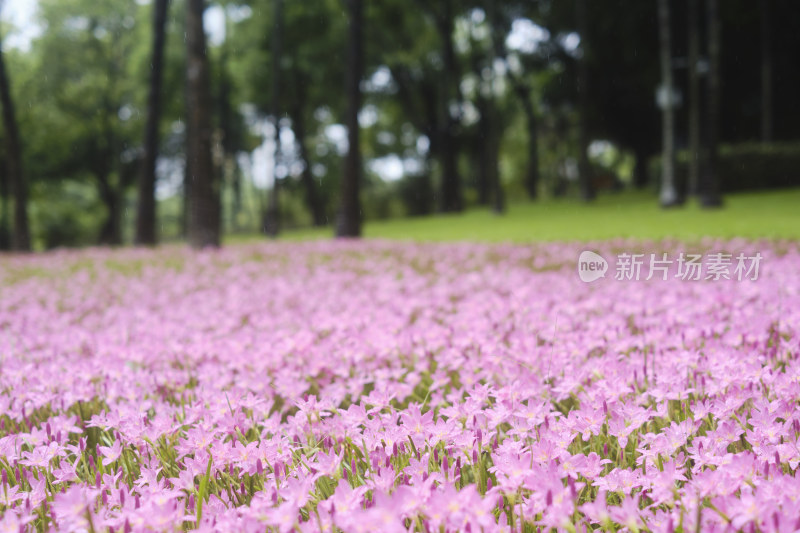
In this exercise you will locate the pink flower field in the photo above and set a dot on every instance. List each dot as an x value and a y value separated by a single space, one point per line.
376 386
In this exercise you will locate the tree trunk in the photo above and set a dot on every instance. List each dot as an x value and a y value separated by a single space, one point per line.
146 212
111 230
766 72
495 130
348 222
272 216
480 148
424 116
187 188
312 198
523 91
452 200
5 239
493 157
640 173
105 163
668 196
236 182
481 152
709 189
20 236
532 127
584 166
228 166
204 217
694 99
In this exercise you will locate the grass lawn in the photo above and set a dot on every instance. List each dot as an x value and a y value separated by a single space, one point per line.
773 214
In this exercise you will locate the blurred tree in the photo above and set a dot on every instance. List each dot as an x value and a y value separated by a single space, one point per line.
584 102
298 114
522 86
668 196
451 194
204 206
444 139
741 70
622 67
272 215
312 92
485 49
709 180
348 220
17 187
406 42
694 97
587 74
87 106
146 207
313 84
5 222
232 134
766 70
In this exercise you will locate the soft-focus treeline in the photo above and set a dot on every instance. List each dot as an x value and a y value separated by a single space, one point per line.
133 122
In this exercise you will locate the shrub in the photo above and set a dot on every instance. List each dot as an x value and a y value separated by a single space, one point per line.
746 167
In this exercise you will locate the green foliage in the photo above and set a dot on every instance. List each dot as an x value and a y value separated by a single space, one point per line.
416 192
64 213
752 166
747 167
88 90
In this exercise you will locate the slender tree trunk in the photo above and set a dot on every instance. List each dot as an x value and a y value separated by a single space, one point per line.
111 230
146 212
493 156
584 166
524 94
105 160
640 173
229 168
188 173
480 148
490 188
496 125
272 216
482 178
187 188
348 222
532 127
766 72
307 177
694 99
452 200
558 185
236 183
5 223
668 197
204 215
20 236
709 189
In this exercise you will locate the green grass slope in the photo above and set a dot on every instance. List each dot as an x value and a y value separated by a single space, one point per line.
773 214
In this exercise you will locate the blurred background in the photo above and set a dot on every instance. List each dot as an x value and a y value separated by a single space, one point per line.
141 121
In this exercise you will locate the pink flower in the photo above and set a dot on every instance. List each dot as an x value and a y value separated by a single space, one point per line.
111 453
628 513
72 508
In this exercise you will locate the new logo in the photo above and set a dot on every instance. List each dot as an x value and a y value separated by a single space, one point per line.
591 266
